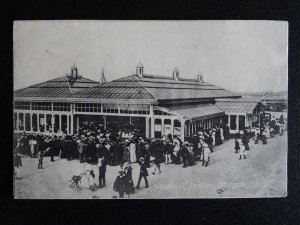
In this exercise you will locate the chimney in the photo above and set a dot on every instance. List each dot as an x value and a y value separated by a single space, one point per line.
176 73
200 78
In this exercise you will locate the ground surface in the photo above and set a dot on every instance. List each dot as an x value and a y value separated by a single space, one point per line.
262 174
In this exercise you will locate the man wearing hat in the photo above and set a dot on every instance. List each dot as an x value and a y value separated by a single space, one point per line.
102 170
17 164
82 147
195 142
140 148
245 139
143 173
168 152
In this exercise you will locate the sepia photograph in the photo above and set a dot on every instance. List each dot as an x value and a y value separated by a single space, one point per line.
150 109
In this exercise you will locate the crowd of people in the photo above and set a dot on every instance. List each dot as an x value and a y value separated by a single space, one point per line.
265 131
121 148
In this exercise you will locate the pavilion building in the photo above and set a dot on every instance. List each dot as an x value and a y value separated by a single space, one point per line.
160 104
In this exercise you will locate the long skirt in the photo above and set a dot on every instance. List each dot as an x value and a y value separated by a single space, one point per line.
132 155
206 154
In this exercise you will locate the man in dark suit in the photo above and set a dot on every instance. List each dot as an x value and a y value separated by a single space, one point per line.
102 170
185 154
143 173
49 148
81 150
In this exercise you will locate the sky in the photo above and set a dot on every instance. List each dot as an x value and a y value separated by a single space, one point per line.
240 56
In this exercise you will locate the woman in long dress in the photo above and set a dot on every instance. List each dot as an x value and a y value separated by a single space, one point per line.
222 133
206 152
213 135
129 185
132 152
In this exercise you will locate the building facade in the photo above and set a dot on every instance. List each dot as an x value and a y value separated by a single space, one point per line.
160 105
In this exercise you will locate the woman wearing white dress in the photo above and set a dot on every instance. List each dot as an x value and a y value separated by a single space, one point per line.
32 144
242 150
206 152
176 145
213 135
267 129
222 133
132 152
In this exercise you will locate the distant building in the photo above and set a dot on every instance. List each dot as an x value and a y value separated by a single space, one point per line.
240 113
161 105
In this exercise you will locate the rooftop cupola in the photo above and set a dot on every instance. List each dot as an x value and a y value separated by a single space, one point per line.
176 73
74 75
200 78
140 69
74 71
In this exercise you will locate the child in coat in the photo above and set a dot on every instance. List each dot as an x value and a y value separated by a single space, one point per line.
40 158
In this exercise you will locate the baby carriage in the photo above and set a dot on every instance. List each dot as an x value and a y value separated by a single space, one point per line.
90 175
76 181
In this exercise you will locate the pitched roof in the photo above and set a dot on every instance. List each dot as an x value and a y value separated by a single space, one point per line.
124 88
164 88
56 88
146 88
194 112
236 106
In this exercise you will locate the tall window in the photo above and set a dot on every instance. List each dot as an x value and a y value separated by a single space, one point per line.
177 128
167 127
15 121
64 123
157 128
241 122
233 122
21 121
42 122
49 122
34 122
27 122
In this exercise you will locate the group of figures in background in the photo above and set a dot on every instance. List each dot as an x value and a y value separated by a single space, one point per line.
99 147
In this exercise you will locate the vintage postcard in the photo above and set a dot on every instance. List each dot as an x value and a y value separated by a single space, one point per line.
150 109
